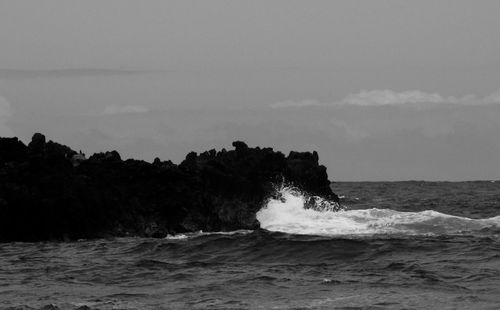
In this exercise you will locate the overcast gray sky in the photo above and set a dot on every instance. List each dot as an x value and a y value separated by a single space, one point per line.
384 90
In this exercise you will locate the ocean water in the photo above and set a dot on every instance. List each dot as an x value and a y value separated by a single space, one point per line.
395 245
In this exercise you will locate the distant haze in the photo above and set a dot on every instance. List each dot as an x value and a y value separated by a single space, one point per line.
383 90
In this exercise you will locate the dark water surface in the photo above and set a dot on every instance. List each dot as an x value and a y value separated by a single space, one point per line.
379 259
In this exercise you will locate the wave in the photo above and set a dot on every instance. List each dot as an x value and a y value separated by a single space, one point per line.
202 233
289 213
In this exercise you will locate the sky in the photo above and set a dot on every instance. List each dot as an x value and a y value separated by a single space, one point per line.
383 90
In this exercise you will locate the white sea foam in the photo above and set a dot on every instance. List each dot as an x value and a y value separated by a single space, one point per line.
288 214
201 233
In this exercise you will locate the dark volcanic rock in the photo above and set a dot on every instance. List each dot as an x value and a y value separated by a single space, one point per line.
11 149
49 191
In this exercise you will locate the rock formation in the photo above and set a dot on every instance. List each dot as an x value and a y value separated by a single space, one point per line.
50 192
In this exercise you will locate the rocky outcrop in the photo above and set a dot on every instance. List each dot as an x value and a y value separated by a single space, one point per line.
48 191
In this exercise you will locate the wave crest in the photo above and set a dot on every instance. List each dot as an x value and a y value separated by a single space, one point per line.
290 211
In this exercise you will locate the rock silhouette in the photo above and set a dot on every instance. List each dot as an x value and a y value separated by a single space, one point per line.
50 192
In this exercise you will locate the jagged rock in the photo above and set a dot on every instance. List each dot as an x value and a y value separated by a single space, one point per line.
112 156
48 191
56 149
37 143
11 149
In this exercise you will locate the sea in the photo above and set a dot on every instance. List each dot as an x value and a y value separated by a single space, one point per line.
392 245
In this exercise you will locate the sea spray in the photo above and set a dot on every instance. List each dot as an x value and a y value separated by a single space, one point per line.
291 211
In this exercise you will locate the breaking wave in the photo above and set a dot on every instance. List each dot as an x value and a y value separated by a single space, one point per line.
289 212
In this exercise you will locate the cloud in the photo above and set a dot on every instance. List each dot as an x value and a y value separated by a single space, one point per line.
415 98
126 109
492 98
5 113
294 104
387 97
390 97
63 73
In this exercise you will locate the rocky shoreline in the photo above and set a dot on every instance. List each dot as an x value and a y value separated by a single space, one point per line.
50 192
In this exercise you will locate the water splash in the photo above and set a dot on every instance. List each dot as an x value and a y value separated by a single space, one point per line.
289 211
202 234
